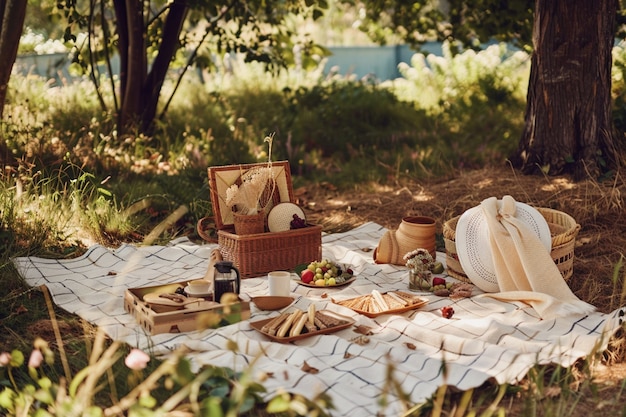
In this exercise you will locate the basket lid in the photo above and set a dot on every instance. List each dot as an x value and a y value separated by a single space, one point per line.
222 177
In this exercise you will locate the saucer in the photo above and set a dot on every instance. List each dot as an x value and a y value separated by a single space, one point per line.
198 294
269 302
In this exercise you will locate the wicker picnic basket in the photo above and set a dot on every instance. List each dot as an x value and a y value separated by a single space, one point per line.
563 230
256 254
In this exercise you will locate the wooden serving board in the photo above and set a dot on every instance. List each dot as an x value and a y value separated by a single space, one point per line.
345 323
352 304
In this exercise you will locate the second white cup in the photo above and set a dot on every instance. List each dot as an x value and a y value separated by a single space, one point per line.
279 283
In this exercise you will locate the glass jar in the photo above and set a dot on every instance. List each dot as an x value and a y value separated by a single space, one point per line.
420 280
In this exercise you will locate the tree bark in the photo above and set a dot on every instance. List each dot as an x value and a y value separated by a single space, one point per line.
133 65
12 14
568 123
169 45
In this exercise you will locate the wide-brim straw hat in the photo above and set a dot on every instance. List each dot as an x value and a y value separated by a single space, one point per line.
473 245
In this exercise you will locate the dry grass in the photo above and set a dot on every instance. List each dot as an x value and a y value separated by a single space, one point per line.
599 208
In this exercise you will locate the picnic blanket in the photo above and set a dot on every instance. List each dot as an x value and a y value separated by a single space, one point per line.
486 339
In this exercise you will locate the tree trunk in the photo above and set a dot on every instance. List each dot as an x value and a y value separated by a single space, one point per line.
169 45
568 124
12 14
133 65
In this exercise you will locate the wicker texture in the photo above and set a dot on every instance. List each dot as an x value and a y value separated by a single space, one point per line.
563 231
249 224
256 255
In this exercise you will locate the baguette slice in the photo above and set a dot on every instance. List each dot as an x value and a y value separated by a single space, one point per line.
298 325
284 328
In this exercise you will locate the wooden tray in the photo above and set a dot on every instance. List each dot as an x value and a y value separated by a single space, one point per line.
258 325
422 301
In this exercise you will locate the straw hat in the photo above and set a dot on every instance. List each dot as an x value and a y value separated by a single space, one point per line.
473 244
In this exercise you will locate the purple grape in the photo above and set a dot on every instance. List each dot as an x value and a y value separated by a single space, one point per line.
297 222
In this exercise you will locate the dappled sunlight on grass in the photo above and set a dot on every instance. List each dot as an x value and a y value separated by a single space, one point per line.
559 184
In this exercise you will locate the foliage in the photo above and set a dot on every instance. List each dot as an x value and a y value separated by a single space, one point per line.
460 22
165 387
180 35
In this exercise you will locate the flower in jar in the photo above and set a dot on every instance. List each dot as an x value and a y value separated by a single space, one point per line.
419 260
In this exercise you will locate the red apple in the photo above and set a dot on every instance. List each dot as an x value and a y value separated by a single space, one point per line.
307 276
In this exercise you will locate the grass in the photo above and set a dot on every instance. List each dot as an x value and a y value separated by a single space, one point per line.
75 182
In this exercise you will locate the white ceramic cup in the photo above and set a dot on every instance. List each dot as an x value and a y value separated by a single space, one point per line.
279 283
198 286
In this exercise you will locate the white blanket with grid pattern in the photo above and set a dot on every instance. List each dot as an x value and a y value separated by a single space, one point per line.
485 340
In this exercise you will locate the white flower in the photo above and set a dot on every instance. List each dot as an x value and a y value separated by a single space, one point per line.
5 359
137 360
36 358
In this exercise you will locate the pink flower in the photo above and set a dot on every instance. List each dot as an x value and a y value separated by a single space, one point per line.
137 360
5 358
36 358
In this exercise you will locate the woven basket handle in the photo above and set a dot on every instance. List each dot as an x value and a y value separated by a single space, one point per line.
207 230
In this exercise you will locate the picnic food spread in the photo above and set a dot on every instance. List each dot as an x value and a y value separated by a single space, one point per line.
281 239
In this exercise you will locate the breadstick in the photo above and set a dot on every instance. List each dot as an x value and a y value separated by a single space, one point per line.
311 314
272 326
319 323
296 329
284 328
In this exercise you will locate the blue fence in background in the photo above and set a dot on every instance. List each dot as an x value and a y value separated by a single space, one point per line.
380 62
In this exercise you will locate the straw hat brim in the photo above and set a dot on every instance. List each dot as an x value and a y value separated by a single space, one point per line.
473 242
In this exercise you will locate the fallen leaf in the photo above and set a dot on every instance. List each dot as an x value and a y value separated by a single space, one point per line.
347 355
324 295
361 340
410 345
307 368
362 329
